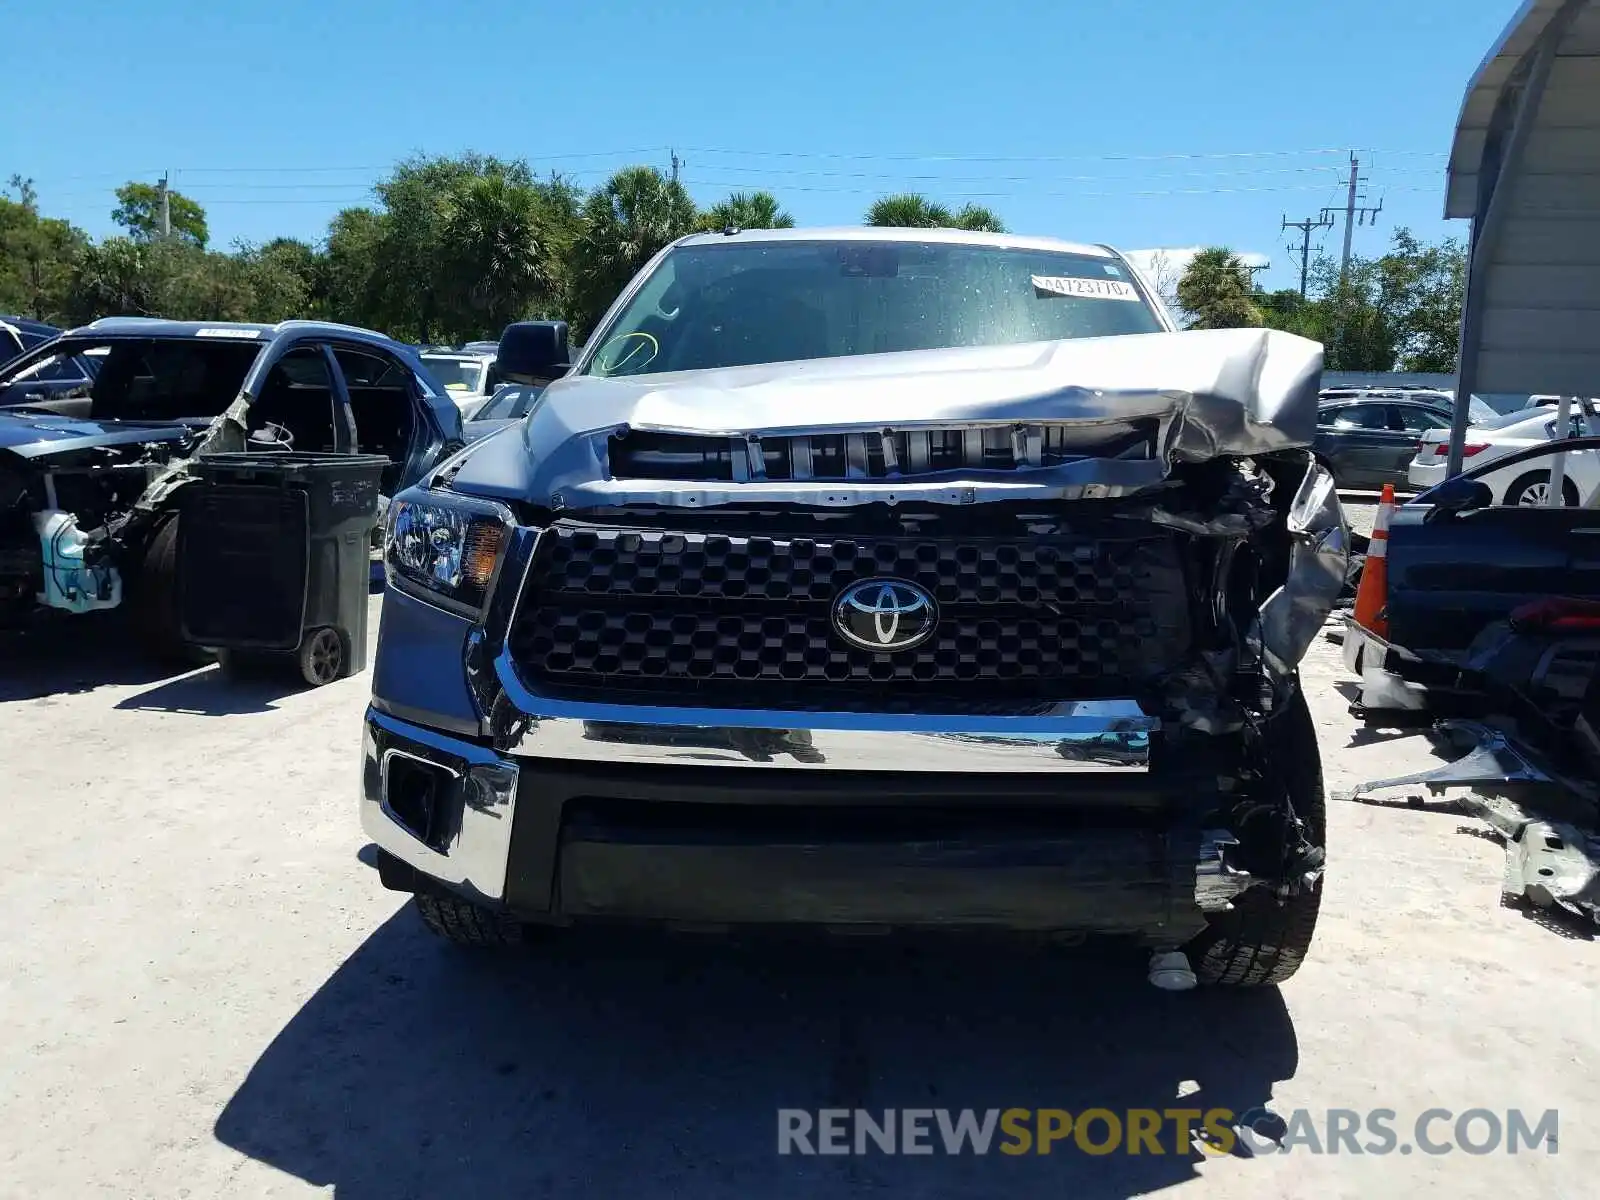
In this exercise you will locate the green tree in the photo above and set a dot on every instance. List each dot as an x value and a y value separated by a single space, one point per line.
746 210
497 263
1400 311
1432 281
1215 291
37 255
979 219
624 223
286 279
119 277
139 212
352 286
907 210
459 247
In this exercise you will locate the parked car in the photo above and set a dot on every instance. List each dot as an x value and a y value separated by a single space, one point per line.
1368 439
871 578
506 407
88 483
1505 435
21 333
52 380
512 402
468 377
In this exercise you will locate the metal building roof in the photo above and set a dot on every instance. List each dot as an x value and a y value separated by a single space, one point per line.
1525 167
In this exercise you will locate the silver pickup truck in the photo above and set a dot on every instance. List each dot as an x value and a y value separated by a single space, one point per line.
871 580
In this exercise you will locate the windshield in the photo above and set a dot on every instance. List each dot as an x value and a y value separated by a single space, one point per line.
457 374
739 304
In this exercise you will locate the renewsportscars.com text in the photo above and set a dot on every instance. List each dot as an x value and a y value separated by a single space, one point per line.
1018 1131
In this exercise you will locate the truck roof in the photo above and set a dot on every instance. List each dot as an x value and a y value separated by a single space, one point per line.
154 327
875 233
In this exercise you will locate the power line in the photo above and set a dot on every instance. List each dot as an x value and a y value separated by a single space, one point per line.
770 172
649 151
1042 157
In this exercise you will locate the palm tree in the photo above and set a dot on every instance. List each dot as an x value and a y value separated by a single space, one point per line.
908 210
623 224
747 210
980 219
1215 291
497 261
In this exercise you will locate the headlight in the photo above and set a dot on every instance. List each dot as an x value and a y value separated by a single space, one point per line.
446 550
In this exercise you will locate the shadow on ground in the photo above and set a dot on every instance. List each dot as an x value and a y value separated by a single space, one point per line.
621 1064
77 654
215 693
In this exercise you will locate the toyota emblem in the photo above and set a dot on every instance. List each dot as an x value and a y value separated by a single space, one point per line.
885 615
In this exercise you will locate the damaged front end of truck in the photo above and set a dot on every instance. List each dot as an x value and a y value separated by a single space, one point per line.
1080 575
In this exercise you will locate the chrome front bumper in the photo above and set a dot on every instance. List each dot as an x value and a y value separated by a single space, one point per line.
1096 735
471 849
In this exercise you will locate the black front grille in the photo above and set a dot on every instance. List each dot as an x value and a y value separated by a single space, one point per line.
746 619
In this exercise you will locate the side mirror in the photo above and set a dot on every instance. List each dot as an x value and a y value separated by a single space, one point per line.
533 351
1457 494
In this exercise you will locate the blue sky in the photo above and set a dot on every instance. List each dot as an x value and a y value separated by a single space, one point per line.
1142 123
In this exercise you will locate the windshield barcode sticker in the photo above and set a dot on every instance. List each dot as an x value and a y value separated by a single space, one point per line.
1090 289
228 333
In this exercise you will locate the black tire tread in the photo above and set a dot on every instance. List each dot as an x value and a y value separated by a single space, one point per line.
1263 940
467 924
154 599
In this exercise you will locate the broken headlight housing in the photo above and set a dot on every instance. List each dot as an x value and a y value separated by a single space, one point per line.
445 549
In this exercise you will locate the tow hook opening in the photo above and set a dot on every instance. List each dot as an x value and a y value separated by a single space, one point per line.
417 795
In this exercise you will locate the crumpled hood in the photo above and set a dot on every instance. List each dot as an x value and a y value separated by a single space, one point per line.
1214 393
37 434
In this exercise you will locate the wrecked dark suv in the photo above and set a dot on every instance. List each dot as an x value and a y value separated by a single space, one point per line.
89 475
871 580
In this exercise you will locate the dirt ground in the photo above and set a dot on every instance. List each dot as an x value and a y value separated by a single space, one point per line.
206 993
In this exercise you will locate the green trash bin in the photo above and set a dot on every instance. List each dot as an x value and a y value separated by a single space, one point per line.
273 559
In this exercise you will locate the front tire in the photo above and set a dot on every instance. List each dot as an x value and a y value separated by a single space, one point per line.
154 601
1262 940
467 924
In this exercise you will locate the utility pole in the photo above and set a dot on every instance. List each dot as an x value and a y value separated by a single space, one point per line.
1355 213
166 208
1305 227
1349 216
676 163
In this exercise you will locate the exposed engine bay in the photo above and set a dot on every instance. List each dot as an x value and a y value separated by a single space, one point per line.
69 523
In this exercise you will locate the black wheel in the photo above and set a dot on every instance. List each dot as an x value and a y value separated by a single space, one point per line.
1264 938
153 602
1533 491
467 924
321 656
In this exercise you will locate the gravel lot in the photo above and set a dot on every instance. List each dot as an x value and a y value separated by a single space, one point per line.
206 993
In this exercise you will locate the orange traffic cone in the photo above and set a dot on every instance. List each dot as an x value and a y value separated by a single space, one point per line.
1373 594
